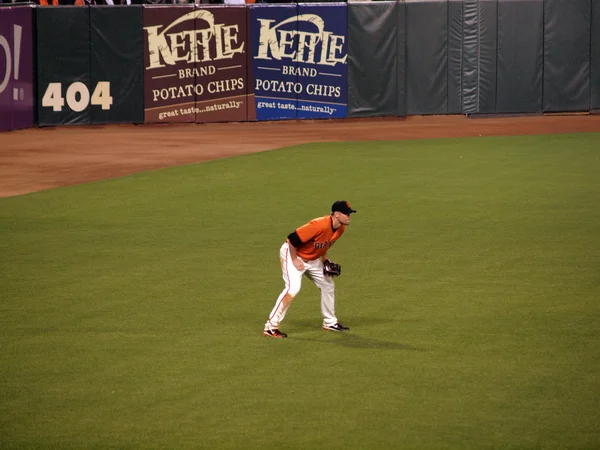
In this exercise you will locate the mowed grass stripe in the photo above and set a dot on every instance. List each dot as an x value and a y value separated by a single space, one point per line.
132 309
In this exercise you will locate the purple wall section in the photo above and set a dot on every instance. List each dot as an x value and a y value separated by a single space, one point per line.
6 61
16 68
23 95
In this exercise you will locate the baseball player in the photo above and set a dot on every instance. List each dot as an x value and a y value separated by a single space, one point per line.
304 253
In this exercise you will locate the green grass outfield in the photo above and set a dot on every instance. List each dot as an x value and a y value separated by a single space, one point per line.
132 309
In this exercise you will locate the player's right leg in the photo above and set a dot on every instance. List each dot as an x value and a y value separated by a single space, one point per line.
292 278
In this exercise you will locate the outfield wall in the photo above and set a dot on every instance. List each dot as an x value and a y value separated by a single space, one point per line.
209 63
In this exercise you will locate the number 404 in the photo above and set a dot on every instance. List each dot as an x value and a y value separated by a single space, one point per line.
77 96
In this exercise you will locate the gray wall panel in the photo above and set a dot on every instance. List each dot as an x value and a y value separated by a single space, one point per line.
401 58
488 53
427 57
470 57
595 57
567 33
520 56
372 59
455 56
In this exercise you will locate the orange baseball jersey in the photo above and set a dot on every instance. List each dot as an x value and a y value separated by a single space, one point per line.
317 236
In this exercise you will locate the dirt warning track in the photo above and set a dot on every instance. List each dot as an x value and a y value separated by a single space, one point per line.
43 158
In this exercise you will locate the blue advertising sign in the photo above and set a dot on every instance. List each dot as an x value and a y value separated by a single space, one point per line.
322 54
273 39
299 57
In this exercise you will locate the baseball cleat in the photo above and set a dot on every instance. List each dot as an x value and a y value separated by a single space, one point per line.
275 334
336 327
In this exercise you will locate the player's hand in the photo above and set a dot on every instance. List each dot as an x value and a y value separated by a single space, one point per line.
298 264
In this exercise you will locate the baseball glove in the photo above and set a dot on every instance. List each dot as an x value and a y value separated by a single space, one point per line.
331 269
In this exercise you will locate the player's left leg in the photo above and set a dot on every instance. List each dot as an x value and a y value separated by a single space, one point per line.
327 287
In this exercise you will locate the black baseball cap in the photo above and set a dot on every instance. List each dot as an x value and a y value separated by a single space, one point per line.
342 206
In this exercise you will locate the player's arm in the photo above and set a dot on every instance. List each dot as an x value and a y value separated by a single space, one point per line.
294 242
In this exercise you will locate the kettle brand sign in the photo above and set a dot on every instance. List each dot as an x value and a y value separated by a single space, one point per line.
195 64
299 56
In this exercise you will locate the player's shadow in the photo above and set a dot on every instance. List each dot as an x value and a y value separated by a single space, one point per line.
349 339
305 325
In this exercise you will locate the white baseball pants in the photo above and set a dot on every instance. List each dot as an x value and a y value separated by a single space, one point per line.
293 281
